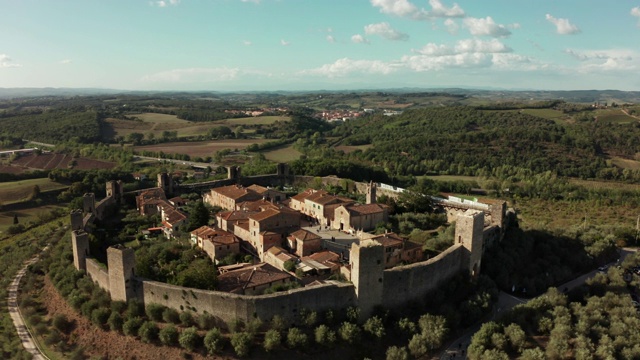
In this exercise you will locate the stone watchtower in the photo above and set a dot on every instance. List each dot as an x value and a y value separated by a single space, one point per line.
121 262
367 272
469 229
233 172
80 244
165 182
89 203
76 220
282 169
371 193
115 189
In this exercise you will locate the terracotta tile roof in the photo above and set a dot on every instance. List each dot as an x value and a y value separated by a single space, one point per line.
303 195
305 235
264 214
316 195
215 235
236 281
257 205
389 240
235 215
243 224
280 253
173 216
257 188
367 209
324 256
234 191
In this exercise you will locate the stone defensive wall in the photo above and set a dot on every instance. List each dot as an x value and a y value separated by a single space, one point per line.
227 306
413 281
98 273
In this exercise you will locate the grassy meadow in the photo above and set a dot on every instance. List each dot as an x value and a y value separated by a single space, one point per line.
18 191
200 148
282 154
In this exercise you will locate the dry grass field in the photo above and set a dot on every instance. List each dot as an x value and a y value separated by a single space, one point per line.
24 216
351 148
282 154
18 191
625 163
157 123
200 148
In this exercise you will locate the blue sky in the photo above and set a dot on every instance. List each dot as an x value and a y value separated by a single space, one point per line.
229 45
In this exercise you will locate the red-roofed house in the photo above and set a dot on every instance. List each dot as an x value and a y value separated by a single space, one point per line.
216 243
277 256
304 242
359 217
252 279
227 197
398 249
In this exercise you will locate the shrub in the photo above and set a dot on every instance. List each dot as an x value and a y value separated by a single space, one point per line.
169 335
115 321
213 341
100 316
375 327
397 353
186 318
278 323
296 338
272 340
349 332
53 338
154 311
206 321
189 339
289 265
234 325
135 309
241 342
148 332
353 313
170 316
87 308
325 336
131 326
61 323
253 326
118 306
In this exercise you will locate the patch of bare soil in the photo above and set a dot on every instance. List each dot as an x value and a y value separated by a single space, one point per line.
109 344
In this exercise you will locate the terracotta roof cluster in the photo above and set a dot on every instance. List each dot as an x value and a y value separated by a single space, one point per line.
367 209
305 235
257 205
172 216
249 276
305 194
235 192
389 240
235 215
326 258
150 196
216 236
280 253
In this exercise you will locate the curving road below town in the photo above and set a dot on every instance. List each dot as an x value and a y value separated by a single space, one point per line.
12 304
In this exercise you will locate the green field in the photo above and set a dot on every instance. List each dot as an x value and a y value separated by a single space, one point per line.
351 148
282 154
544 113
24 216
258 120
18 191
160 118
625 163
596 184
451 177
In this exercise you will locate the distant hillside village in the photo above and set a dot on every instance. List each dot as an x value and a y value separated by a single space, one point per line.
308 238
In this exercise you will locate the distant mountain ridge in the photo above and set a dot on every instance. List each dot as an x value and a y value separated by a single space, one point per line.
580 96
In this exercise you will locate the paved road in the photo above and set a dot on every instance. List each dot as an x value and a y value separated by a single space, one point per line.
457 349
18 322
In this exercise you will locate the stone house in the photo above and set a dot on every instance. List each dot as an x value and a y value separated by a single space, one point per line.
227 197
217 243
397 249
252 279
277 256
320 263
303 242
148 200
268 194
267 228
227 220
172 219
354 217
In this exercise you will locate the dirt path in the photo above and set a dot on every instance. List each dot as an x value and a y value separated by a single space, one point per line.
16 316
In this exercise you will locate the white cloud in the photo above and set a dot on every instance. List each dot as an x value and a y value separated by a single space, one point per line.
359 39
485 27
606 60
563 26
193 75
406 9
65 62
283 42
7 62
345 66
331 39
427 63
480 46
385 30
164 3
247 43
636 12
439 10
451 26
